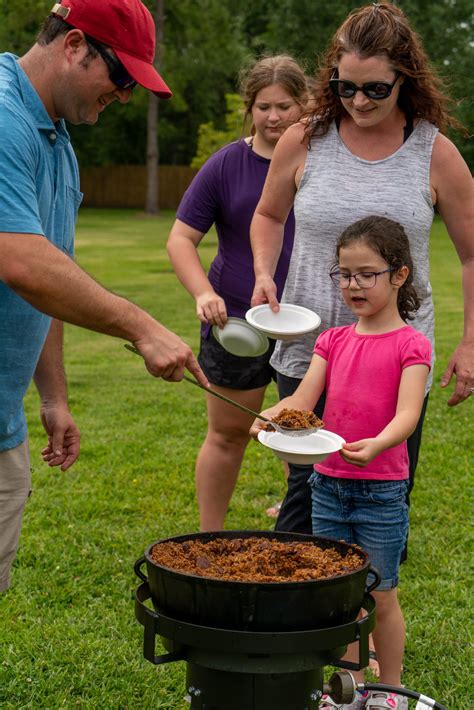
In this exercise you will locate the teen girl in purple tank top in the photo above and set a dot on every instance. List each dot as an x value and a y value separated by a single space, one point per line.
225 193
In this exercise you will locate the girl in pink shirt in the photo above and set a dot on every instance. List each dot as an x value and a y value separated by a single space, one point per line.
374 373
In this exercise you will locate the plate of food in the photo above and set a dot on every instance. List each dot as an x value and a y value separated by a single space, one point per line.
289 323
309 449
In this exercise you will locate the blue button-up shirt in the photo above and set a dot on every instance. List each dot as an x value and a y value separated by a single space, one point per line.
39 194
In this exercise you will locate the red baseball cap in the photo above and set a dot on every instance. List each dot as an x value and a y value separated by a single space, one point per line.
124 25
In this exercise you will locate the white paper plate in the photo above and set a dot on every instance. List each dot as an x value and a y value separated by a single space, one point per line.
240 338
289 323
309 449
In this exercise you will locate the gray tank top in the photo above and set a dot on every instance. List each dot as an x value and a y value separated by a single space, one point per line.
338 188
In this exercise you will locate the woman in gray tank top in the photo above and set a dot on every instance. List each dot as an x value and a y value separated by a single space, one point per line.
374 144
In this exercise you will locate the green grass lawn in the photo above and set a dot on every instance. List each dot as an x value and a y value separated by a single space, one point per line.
68 635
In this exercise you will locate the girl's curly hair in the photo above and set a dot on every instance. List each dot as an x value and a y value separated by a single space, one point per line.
382 29
387 238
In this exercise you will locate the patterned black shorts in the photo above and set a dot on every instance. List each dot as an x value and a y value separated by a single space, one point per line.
238 373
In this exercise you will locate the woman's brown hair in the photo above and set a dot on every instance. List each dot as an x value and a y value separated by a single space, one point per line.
382 29
280 69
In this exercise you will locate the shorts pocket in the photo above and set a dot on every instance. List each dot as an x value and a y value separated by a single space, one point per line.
324 483
315 479
387 493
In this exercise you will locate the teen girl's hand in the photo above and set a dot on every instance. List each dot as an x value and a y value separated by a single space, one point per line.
210 308
182 247
362 452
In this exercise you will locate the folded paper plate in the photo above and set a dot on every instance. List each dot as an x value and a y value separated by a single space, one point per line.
240 338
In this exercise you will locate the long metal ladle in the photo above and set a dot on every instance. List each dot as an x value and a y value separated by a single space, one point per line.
281 429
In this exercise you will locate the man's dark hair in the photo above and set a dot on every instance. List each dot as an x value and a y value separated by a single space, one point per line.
55 26
51 28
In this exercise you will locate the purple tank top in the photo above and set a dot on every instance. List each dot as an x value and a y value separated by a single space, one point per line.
225 192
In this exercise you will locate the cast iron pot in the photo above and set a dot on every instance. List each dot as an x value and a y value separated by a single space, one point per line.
250 606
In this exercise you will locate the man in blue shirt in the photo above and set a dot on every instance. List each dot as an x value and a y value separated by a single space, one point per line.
87 55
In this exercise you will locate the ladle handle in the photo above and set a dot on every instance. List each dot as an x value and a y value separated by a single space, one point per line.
227 399
207 389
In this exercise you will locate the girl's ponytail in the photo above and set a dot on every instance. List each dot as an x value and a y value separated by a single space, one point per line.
407 301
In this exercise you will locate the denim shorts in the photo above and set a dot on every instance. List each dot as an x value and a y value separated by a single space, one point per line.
371 514
239 373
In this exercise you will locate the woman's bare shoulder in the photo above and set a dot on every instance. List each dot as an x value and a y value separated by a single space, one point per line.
451 181
297 131
447 162
293 142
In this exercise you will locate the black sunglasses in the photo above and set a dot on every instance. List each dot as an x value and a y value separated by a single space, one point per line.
374 90
117 72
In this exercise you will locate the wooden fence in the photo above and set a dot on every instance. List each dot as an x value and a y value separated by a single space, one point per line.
125 185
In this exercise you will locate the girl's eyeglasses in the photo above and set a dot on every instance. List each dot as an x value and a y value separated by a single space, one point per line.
117 72
364 279
374 90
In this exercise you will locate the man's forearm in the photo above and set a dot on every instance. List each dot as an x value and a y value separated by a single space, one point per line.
55 285
50 377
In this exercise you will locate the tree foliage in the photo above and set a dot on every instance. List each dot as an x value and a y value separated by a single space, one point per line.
211 138
19 23
447 30
206 43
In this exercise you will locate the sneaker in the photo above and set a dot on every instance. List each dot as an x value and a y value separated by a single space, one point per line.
328 704
381 700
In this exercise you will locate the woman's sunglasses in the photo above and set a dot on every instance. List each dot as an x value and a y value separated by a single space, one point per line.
117 72
374 90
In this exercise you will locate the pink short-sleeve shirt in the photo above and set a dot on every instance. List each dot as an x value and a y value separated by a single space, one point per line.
362 382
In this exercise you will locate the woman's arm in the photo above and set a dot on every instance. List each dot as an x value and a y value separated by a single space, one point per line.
182 247
452 184
411 394
268 224
303 398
